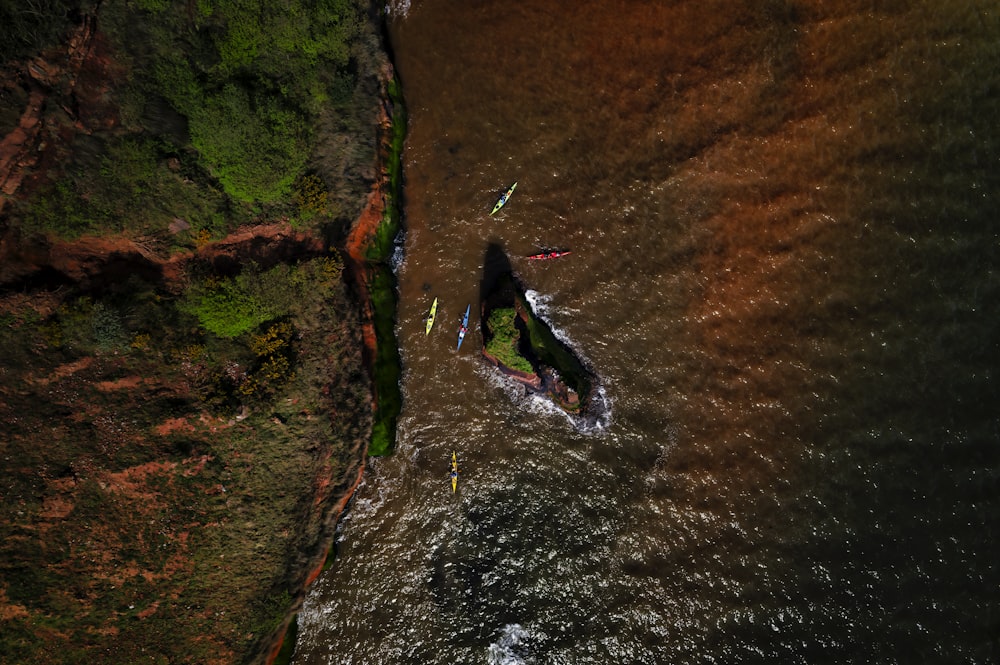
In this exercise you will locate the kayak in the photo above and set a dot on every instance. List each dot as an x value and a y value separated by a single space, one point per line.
465 327
549 255
503 199
454 472
430 317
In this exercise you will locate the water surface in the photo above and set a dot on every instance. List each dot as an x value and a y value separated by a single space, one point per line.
783 219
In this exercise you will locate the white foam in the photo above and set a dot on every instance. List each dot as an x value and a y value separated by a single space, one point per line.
542 306
511 648
528 400
397 8
541 405
398 252
365 502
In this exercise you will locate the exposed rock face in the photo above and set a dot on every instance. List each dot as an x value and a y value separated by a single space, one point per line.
522 346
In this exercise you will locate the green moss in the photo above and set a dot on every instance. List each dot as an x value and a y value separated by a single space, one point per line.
382 290
382 245
554 353
284 656
387 364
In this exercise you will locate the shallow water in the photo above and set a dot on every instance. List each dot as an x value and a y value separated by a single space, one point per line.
784 235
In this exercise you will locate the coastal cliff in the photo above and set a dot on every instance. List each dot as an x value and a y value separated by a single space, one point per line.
187 390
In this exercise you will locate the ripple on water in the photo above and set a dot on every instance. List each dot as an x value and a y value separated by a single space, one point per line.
782 313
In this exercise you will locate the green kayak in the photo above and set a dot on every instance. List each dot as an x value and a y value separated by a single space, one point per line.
503 199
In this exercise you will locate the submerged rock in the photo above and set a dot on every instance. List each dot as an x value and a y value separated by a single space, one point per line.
522 346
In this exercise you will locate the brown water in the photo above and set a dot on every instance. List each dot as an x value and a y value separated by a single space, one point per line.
784 235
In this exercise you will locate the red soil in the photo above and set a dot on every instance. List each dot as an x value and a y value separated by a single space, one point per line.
361 236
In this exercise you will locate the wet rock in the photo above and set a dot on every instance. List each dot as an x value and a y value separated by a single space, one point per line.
523 347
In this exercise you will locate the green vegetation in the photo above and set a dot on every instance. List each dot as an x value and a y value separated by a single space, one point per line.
173 446
554 353
167 514
311 197
31 26
382 290
383 244
229 307
251 81
220 111
250 143
388 364
287 650
519 340
124 185
505 338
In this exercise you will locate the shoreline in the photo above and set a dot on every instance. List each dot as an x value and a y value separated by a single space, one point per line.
365 253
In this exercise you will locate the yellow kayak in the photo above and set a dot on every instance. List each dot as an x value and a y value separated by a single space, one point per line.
430 317
454 472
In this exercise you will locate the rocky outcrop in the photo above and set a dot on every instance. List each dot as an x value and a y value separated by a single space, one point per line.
529 379
523 347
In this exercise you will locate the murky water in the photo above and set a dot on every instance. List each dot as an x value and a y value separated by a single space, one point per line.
784 234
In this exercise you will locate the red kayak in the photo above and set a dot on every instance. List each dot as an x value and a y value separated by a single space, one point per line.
548 255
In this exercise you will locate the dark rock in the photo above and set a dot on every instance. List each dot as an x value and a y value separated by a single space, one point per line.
523 347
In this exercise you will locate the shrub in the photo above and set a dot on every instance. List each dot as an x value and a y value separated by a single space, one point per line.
272 341
30 26
74 319
311 197
226 308
254 146
106 324
127 187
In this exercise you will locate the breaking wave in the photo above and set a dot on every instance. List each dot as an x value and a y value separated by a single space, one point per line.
397 8
513 647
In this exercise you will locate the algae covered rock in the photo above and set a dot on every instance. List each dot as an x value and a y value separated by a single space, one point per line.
521 344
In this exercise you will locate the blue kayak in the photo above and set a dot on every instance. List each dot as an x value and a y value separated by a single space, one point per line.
465 327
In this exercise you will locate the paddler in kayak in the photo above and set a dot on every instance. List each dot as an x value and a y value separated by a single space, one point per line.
503 198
